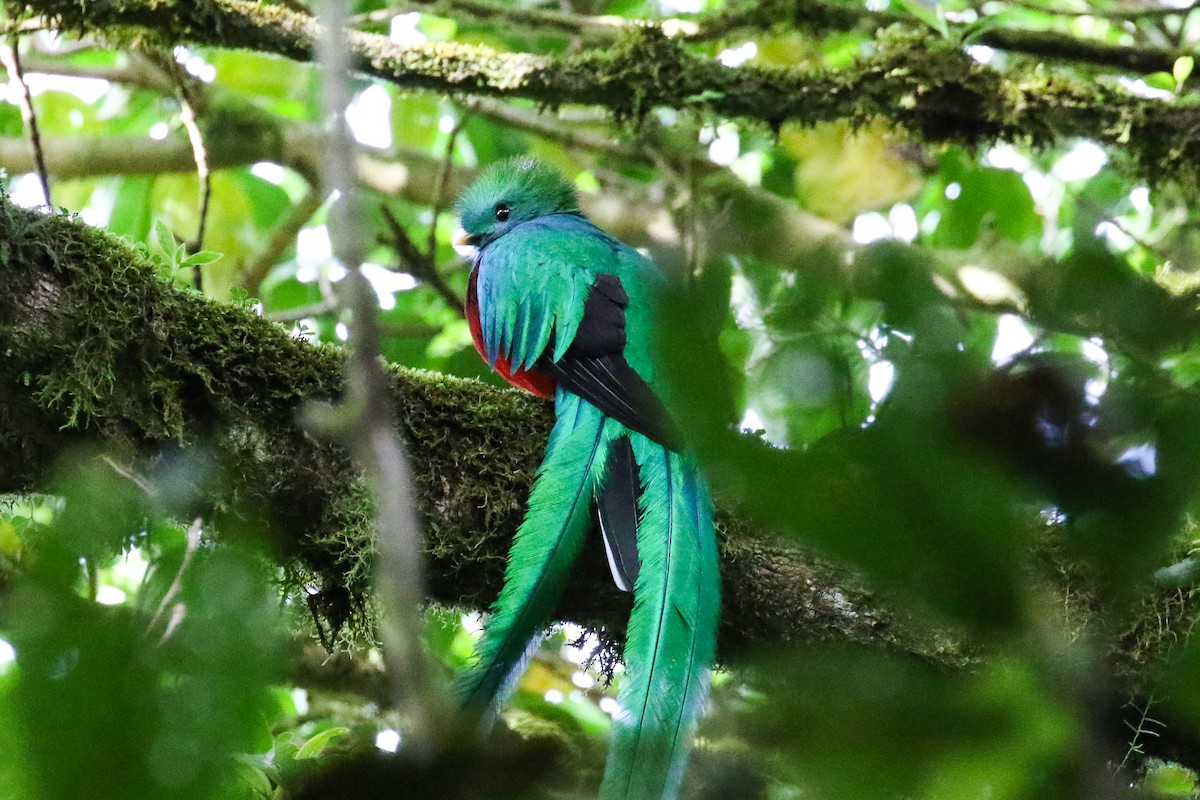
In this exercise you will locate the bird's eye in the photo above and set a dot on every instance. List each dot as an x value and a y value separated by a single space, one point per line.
502 212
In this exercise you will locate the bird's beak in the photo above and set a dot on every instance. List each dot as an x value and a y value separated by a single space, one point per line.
464 239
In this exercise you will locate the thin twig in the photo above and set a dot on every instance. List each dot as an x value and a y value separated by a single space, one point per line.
318 309
200 153
12 62
321 309
420 265
256 267
14 27
1131 13
1141 729
193 544
315 613
130 475
93 579
192 102
443 185
549 126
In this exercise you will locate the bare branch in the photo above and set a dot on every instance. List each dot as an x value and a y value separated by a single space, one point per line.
422 266
443 188
255 269
140 71
11 58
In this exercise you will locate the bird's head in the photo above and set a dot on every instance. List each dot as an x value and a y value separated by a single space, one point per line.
511 192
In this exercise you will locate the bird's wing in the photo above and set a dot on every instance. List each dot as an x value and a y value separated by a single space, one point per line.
595 368
532 287
550 299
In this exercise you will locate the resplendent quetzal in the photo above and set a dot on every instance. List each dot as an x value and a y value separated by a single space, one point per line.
560 308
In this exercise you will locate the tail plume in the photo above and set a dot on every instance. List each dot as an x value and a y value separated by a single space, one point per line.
672 629
546 545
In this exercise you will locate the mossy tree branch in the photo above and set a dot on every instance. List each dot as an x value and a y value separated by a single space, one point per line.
919 83
818 17
99 348
821 17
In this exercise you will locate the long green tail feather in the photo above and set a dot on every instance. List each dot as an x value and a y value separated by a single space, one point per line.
546 545
672 629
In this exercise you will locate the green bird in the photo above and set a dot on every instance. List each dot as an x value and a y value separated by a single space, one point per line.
559 307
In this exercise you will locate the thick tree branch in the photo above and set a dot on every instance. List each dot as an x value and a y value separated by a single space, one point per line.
818 17
98 347
922 84
827 16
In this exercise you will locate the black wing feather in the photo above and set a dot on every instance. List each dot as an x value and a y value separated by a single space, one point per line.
594 366
617 507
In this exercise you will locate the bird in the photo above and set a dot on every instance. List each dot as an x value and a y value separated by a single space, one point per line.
560 308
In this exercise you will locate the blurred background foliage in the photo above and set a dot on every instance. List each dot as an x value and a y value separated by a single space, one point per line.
975 386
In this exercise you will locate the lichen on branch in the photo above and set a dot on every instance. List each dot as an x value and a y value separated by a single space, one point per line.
916 81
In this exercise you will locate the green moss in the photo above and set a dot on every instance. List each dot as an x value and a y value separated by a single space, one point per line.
100 347
921 83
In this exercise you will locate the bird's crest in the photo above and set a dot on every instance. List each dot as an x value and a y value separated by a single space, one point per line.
528 189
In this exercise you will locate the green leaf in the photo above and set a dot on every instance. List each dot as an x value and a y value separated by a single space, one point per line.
164 239
191 687
201 258
268 202
254 777
856 723
318 742
1161 80
987 199
933 16
1182 70
131 212
437 29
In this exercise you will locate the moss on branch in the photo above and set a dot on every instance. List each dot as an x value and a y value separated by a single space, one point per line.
822 17
818 18
919 83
